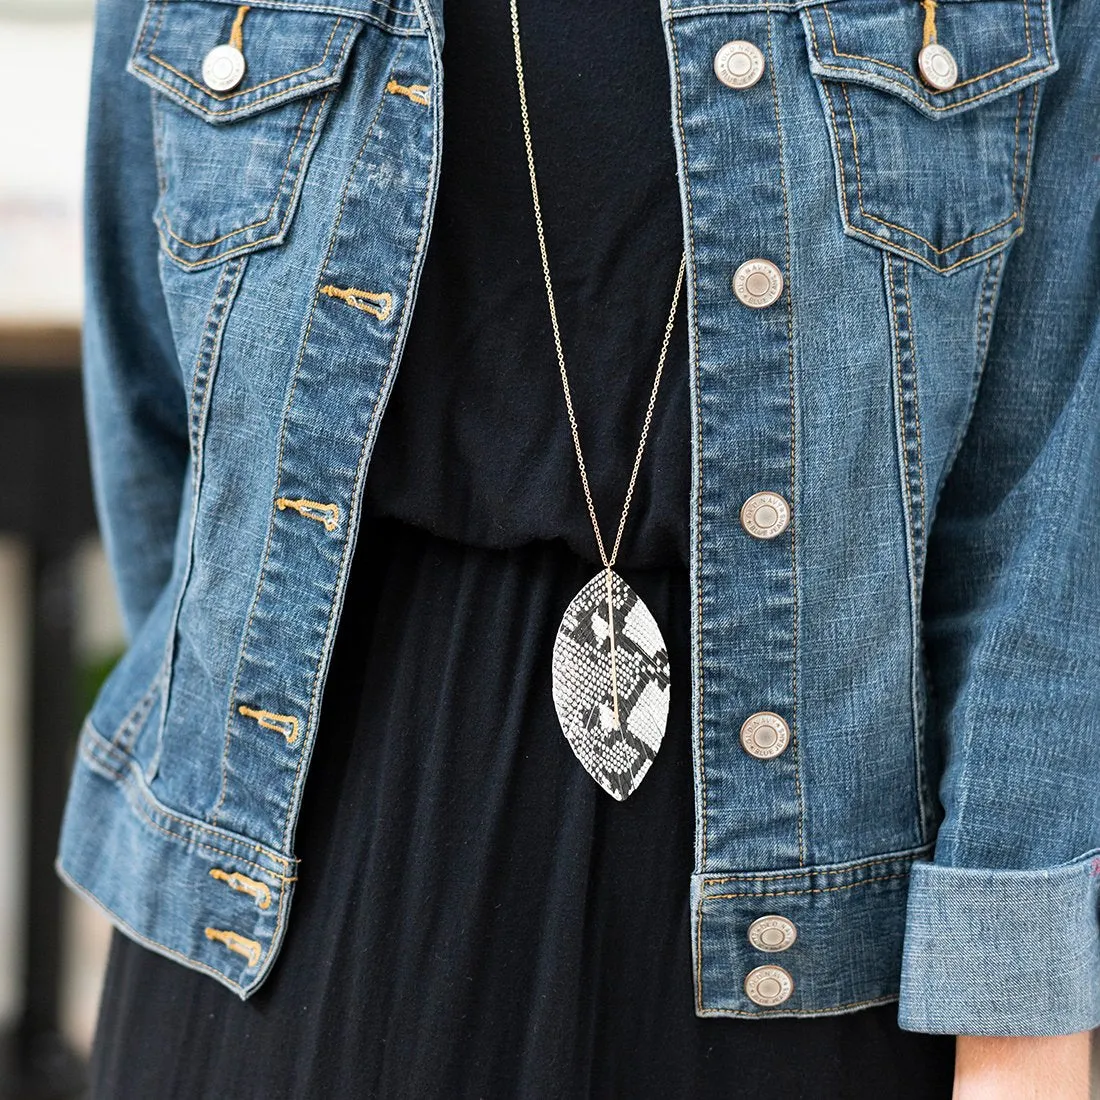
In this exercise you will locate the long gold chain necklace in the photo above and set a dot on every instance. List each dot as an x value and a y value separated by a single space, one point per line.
610 665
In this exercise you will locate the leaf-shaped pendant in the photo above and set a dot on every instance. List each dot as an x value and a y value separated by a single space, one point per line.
611 682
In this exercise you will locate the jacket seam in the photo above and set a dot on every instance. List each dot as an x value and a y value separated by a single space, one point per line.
229 281
914 536
132 787
919 446
697 662
807 890
1024 175
792 486
358 13
139 712
910 856
987 296
225 291
924 794
831 1010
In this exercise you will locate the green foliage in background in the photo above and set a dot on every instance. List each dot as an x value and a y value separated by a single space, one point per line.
90 675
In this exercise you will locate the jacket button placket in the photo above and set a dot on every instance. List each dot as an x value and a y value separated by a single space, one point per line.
758 283
332 411
756 447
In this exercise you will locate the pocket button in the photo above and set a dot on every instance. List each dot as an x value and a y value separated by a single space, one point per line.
738 64
223 68
937 67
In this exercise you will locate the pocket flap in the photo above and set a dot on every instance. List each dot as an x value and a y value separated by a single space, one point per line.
999 46
288 53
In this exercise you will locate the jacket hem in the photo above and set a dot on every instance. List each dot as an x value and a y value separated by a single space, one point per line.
212 900
846 955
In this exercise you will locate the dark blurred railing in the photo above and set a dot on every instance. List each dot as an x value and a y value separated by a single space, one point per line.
46 503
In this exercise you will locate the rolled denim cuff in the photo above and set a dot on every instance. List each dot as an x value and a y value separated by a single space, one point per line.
1002 952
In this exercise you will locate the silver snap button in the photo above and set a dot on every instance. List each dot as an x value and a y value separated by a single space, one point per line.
223 68
738 64
765 515
758 283
764 735
772 933
937 67
768 985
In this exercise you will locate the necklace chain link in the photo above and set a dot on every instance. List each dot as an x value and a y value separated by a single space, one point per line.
608 562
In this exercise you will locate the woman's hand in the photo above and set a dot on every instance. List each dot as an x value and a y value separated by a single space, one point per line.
1022 1067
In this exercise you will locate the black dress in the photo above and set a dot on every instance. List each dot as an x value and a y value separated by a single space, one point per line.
474 917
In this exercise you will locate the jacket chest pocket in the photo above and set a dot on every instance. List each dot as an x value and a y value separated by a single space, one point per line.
234 131
937 174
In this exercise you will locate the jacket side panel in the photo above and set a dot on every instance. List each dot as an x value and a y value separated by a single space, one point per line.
294 403
190 774
846 396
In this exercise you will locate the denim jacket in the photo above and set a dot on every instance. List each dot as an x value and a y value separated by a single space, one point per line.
895 496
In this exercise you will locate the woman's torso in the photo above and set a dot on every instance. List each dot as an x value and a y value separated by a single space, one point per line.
474 917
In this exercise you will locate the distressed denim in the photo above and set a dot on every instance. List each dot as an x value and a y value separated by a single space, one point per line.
924 395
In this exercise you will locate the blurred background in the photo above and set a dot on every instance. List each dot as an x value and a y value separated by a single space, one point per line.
59 626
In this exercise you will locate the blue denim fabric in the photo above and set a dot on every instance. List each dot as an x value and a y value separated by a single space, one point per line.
925 394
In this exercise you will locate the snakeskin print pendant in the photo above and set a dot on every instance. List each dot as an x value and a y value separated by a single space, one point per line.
611 682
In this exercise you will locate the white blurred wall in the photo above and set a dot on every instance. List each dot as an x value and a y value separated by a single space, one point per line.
40 168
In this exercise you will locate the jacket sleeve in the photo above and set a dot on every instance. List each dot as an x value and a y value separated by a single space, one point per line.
134 398
1001 932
